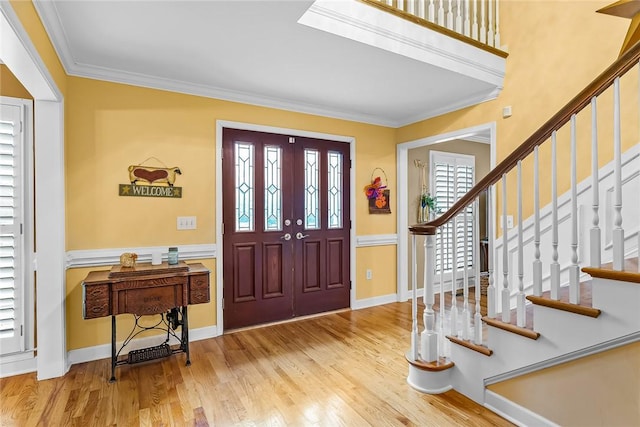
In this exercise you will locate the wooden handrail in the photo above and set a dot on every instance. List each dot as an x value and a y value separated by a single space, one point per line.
623 64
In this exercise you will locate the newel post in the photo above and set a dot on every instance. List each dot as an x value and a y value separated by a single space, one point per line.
429 338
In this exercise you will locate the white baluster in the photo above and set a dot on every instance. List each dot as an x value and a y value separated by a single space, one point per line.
443 341
450 16
429 339
454 260
496 41
422 9
474 26
491 289
414 301
389 2
466 314
477 317
483 28
400 4
467 20
441 14
595 236
459 16
555 266
454 277
490 40
432 12
618 232
506 307
520 298
411 7
574 269
537 264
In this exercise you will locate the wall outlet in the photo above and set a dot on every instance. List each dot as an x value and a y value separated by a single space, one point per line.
509 222
187 223
369 274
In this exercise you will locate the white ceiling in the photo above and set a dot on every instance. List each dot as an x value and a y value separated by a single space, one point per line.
257 52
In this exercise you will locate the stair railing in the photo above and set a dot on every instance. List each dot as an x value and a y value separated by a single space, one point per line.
475 20
458 326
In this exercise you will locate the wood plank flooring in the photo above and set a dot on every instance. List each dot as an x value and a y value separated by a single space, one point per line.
340 369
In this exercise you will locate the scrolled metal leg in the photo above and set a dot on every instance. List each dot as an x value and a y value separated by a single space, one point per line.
185 334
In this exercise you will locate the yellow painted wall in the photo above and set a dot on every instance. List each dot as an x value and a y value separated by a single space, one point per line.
111 126
10 86
555 49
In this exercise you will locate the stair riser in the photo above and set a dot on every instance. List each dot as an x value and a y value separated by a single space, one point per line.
620 305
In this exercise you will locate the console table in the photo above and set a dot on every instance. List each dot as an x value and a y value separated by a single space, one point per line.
146 289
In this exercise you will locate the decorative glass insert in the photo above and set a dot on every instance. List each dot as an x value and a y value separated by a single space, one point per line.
334 196
311 189
272 188
244 163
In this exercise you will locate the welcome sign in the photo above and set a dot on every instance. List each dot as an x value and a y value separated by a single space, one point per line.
150 175
149 191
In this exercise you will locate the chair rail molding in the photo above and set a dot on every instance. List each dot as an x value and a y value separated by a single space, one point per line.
110 256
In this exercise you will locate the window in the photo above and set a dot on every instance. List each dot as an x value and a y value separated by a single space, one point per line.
12 284
452 175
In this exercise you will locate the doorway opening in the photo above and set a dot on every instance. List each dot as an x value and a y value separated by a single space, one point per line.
478 141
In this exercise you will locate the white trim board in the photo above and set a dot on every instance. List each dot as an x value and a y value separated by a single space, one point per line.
373 302
22 58
111 256
376 240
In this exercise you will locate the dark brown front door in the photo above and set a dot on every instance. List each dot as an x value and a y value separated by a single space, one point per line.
286 227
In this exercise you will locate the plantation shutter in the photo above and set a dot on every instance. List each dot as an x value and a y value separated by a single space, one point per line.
447 171
10 230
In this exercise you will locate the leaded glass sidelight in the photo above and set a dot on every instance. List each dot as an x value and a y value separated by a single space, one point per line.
244 163
272 188
311 189
334 189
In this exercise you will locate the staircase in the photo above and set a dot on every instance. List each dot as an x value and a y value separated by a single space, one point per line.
564 283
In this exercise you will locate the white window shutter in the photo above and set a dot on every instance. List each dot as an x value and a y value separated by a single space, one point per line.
443 167
11 283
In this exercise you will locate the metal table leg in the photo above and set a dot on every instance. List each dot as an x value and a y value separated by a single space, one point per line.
113 349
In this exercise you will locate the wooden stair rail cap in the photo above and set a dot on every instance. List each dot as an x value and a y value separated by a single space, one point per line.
580 101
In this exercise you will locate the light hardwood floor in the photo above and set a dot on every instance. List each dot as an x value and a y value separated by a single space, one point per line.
341 369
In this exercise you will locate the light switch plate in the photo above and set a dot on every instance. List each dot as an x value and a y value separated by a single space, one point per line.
187 223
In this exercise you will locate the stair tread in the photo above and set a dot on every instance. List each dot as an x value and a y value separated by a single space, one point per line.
480 348
512 325
606 271
437 365
584 307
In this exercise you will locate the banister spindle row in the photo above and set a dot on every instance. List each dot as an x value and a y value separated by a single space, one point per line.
554 244
477 19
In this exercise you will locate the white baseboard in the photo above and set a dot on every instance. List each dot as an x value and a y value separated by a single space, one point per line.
17 364
103 351
372 302
513 412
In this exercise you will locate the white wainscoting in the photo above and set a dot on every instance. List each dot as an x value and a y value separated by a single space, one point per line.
631 225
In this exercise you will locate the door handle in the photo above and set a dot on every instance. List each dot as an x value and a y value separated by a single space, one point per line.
286 237
301 236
